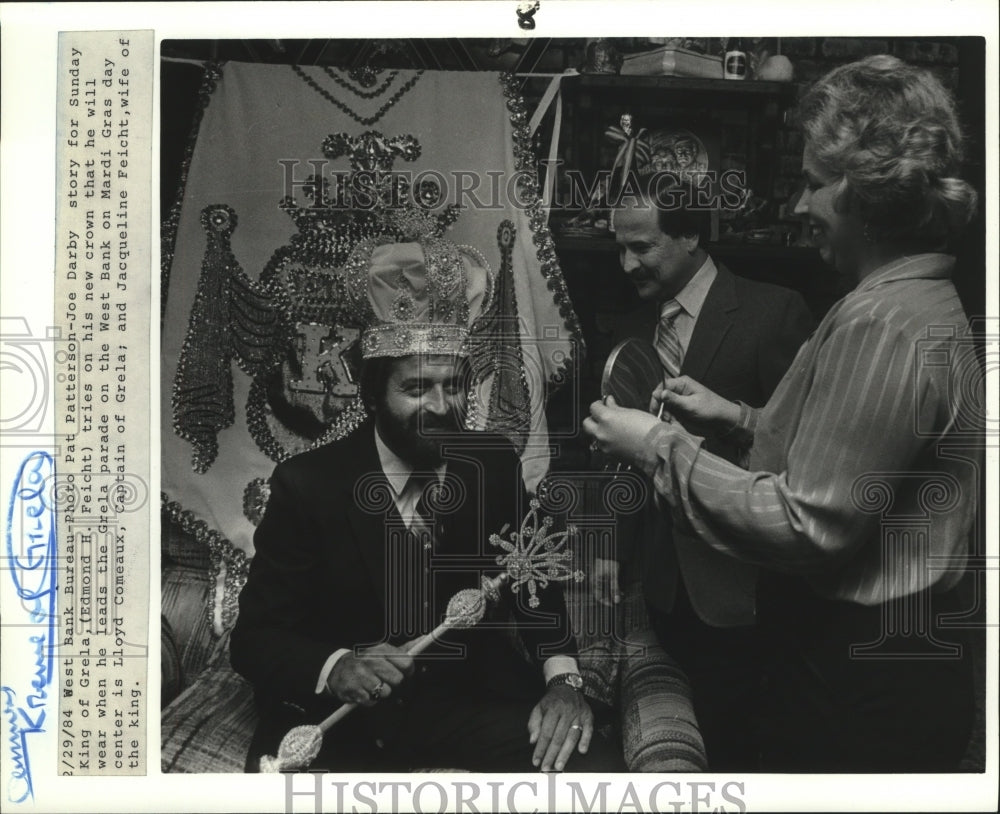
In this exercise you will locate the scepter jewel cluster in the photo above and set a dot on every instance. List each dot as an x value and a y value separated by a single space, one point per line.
535 556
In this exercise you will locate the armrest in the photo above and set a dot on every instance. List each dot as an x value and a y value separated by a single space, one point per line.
209 726
171 672
659 729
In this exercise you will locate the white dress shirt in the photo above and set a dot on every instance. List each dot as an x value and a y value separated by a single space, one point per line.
692 298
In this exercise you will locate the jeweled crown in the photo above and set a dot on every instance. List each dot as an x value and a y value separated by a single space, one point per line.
422 296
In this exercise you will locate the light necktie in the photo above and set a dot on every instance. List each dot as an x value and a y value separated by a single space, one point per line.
668 343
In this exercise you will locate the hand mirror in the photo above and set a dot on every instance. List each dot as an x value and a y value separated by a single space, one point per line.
631 374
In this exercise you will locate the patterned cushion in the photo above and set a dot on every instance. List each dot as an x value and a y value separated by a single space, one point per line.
185 593
209 726
659 729
599 667
171 677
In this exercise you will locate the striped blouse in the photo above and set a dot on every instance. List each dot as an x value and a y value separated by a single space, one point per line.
864 472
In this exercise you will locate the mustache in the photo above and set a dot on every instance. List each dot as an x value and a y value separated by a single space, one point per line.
435 424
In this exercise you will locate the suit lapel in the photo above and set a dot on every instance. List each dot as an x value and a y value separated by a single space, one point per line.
714 321
456 526
369 523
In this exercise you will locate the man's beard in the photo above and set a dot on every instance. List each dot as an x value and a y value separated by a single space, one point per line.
418 440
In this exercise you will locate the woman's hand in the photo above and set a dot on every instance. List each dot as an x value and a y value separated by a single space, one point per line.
621 433
604 583
700 410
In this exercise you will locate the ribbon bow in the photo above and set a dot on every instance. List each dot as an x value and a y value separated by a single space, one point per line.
630 147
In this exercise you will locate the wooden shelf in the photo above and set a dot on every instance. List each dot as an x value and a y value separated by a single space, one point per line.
618 84
712 108
607 245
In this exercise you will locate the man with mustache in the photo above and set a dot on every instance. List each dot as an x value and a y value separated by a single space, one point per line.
366 539
741 335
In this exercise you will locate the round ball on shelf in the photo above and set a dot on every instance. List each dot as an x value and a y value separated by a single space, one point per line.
776 68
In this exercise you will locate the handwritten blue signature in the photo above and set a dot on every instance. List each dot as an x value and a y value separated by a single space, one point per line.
31 557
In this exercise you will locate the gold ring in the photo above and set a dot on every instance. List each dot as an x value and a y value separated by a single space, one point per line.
576 726
376 693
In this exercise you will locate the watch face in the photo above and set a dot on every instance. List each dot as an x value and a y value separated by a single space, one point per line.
568 679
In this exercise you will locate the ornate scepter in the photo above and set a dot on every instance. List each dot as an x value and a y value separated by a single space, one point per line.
532 557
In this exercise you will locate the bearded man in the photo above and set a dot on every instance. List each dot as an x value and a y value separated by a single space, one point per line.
364 541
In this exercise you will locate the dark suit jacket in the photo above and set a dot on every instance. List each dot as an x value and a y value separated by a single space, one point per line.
745 338
335 568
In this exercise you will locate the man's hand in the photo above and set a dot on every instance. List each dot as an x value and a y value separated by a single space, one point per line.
371 675
560 722
700 410
604 582
621 433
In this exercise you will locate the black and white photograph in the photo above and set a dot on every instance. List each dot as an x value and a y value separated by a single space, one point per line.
774 243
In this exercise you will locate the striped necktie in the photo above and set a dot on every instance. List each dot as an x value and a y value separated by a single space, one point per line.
668 344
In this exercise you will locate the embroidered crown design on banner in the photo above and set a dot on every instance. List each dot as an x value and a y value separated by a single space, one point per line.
296 330
305 365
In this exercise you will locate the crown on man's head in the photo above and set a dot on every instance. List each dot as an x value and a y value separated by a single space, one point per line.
421 296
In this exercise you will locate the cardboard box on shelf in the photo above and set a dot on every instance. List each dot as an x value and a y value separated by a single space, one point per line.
672 62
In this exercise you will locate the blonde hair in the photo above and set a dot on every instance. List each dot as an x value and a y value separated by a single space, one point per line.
891 132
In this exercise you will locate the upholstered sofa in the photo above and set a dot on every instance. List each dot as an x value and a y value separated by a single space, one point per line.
208 715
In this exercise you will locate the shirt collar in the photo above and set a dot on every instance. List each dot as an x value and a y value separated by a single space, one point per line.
917 266
692 296
396 470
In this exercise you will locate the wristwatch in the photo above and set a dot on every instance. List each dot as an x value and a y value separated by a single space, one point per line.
571 680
